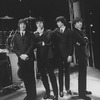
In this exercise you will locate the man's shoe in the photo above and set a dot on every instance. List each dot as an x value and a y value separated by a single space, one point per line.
46 96
69 92
84 97
61 94
55 97
88 92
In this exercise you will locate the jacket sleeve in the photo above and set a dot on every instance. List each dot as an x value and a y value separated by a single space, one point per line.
16 50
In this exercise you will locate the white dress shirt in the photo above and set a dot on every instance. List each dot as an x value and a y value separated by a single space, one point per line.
62 29
22 33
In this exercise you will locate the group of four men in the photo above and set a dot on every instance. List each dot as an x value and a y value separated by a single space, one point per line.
59 42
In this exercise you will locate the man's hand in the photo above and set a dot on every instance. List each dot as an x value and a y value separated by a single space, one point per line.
43 43
24 57
69 59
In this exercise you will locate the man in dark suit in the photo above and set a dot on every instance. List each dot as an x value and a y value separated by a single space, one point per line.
80 40
23 47
44 67
61 39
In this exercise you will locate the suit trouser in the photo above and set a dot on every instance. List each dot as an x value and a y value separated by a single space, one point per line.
63 65
82 67
45 68
82 79
26 73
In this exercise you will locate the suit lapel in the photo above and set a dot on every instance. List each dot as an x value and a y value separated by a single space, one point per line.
80 35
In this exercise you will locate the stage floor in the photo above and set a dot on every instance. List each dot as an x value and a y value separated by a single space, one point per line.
93 85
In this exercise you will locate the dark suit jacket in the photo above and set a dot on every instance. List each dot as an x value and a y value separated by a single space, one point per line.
62 42
25 44
42 50
79 41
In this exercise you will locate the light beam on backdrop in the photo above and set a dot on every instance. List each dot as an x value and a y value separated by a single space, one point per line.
71 12
91 42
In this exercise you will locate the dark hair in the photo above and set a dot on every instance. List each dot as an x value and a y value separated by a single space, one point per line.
77 19
39 19
62 19
21 21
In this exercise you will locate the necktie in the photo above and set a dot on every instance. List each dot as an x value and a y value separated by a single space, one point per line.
22 34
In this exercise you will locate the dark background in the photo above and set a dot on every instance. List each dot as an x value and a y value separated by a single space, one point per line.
92 16
49 10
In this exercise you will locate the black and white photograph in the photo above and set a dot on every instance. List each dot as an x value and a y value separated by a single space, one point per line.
49 50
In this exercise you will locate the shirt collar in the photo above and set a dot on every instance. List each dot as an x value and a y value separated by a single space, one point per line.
40 31
22 32
63 28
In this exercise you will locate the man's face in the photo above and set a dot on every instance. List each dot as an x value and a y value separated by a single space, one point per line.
59 24
78 25
22 26
39 24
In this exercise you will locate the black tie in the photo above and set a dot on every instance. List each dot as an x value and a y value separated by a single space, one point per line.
22 34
